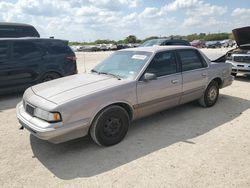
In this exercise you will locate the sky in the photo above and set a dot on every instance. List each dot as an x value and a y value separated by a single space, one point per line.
89 20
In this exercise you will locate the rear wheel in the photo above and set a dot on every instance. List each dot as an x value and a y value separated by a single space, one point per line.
110 126
49 76
211 95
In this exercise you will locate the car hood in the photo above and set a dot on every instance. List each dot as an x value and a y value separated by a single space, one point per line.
242 37
68 88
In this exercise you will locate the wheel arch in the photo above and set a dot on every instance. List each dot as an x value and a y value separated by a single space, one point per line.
218 80
126 106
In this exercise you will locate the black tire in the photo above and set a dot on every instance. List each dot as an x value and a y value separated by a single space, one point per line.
211 95
49 76
234 74
110 126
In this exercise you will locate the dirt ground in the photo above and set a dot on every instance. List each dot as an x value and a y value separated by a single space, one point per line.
187 146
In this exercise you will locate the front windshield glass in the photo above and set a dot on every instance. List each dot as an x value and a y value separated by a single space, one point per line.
123 64
152 42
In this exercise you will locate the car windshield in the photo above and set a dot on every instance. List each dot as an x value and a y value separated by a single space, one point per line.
123 64
152 42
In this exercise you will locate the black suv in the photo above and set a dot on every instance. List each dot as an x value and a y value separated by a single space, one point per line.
28 61
165 42
16 30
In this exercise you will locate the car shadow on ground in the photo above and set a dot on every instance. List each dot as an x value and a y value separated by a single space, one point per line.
83 158
10 101
243 78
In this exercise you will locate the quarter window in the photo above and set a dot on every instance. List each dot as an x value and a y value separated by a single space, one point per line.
58 48
163 63
190 60
25 49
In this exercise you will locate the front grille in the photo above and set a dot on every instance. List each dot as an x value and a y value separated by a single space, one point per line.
242 59
29 109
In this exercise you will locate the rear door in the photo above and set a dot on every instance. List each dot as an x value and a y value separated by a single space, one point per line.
194 74
24 63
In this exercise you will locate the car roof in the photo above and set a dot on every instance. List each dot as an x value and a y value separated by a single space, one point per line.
30 39
14 24
155 49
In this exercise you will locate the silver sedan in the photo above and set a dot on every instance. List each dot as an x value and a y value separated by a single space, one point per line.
128 85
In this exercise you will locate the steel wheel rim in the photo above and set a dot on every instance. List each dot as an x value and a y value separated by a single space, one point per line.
212 94
112 127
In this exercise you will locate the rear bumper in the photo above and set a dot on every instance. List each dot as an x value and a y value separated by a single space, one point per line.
52 132
227 81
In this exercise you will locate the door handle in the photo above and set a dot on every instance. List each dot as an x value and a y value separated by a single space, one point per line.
175 81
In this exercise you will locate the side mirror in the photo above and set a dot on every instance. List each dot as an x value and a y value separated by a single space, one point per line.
149 76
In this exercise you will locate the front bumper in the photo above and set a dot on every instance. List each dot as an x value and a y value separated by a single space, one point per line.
238 67
53 132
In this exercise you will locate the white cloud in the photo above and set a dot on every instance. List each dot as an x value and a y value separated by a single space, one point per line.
241 12
115 19
150 12
179 4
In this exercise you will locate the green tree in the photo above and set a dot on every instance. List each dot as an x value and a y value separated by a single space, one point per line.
130 39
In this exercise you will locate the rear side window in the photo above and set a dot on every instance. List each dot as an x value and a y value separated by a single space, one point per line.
190 60
3 50
25 49
18 31
59 48
182 43
163 63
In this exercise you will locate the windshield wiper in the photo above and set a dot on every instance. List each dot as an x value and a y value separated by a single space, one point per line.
106 73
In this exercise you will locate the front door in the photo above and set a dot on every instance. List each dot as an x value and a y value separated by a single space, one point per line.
165 91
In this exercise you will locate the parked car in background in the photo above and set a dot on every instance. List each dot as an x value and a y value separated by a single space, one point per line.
133 45
111 47
102 47
16 30
128 85
88 48
213 44
75 48
28 61
165 42
198 43
227 43
122 46
239 57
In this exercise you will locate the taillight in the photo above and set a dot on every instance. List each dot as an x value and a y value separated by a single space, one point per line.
72 58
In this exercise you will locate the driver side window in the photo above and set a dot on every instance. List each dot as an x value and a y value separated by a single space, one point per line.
163 63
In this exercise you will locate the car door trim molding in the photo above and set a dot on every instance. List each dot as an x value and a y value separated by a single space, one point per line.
193 90
149 103
163 99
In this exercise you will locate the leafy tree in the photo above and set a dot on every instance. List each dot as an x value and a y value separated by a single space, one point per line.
130 39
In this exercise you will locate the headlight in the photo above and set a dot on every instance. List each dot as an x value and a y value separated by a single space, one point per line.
47 116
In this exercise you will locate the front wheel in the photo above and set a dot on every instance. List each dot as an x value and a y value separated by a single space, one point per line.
210 96
110 126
